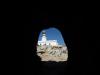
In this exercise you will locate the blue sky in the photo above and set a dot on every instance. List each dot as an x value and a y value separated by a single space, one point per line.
53 34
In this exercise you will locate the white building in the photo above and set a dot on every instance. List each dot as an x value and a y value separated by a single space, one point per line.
44 40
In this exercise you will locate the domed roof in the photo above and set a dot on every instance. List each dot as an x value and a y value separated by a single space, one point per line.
43 32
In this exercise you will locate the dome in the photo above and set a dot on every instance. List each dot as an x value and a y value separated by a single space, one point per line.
43 32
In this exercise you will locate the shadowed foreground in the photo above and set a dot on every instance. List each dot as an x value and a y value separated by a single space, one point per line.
53 68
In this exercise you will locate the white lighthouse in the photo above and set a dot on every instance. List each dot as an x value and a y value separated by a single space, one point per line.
47 42
44 38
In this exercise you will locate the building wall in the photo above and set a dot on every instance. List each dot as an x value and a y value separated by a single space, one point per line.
49 42
53 43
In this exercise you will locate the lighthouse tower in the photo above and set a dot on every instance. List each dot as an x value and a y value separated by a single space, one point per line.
44 38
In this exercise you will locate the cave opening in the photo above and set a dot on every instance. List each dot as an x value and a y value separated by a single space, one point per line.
51 46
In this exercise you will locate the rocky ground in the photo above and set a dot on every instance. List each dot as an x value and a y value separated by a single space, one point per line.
55 53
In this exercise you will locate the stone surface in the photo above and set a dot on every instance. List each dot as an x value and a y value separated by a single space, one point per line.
52 53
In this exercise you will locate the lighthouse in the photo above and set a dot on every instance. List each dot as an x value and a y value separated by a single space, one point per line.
44 38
